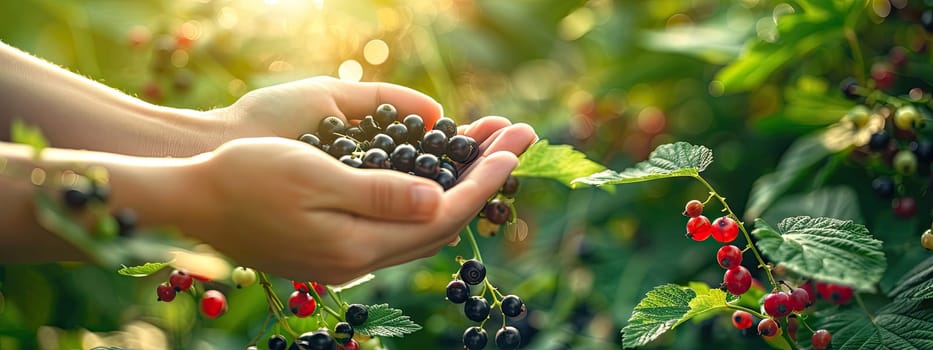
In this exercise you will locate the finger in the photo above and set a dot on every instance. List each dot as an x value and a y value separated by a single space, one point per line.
514 139
381 194
483 128
357 100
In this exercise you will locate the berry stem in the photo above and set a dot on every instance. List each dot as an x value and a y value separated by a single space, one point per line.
468 232
275 305
748 310
748 238
861 305
262 331
320 303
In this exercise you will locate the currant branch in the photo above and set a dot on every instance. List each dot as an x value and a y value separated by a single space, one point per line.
275 305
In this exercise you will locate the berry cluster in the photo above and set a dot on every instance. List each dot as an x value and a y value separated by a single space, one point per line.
499 210
95 194
322 339
213 303
904 155
779 304
381 141
477 308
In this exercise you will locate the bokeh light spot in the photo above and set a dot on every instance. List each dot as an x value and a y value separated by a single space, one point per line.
376 52
350 70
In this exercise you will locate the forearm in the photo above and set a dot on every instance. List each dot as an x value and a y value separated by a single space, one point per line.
152 187
75 112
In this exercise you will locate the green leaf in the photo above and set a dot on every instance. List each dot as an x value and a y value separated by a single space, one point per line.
707 300
834 202
385 321
670 160
899 325
661 310
558 162
799 35
917 284
28 135
803 154
826 249
142 270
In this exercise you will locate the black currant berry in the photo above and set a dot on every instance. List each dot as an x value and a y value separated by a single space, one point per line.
310 139
445 178
426 165
476 308
376 158
403 157
512 305
330 128
415 125
383 142
474 338
510 187
462 149
356 314
277 342
878 141
848 87
923 149
434 142
457 291
926 20
497 211
342 146
350 160
473 272
368 126
508 338
100 192
385 115
343 332
355 133
74 198
317 340
450 166
294 346
446 125
126 221
398 132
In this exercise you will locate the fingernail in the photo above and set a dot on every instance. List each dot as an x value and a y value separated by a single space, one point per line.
424 199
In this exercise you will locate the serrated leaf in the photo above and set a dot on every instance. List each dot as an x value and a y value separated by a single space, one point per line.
558 162
385 321
28 135
825 249
660 311
900 325
142 270
707 300
670 160
356 282
917 284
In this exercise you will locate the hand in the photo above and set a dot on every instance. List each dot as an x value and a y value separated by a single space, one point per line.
291 109
289 209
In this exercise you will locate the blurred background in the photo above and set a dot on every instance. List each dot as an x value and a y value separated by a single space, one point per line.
614 79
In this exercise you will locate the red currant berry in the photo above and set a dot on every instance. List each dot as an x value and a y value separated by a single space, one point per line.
165 292
213 304
821 339
693 208
742 319
883 75
839 294
351 345
729 257
800 299
768 328
301 304
698 228
737 281
778 304
904 207
725 229
301 286
497 211
792 326
808 287
319 288
180 280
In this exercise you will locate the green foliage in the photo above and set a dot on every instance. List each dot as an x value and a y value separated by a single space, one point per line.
142 270
833 202
917 284
671 160
901 324
660 311
385 321
826 249
557 162
28 135
802 155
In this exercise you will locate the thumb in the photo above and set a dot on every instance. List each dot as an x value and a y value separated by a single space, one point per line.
387 194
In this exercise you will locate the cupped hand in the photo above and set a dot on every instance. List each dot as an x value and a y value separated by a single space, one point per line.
289 209
291 109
